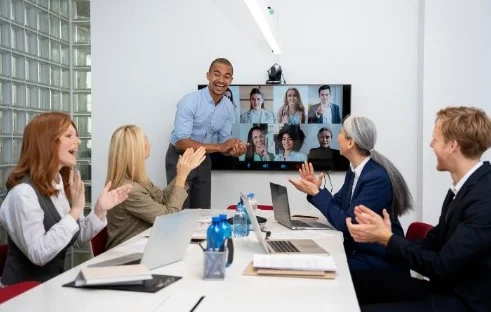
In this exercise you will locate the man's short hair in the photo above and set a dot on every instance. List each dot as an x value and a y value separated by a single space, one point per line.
469 126
324 87
223 61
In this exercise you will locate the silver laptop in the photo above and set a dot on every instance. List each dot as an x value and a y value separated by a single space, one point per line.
281 210
168 241
304 246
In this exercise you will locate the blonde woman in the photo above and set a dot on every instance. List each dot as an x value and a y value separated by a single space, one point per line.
292 111
128 150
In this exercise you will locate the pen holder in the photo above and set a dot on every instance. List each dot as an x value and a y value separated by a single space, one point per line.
214 264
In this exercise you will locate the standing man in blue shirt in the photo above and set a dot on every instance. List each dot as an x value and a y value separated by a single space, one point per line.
204 118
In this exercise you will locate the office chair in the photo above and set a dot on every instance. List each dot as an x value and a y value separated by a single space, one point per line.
3 257
417 231
99 242
9 292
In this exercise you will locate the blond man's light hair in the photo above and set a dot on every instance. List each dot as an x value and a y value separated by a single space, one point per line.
127 156
470 127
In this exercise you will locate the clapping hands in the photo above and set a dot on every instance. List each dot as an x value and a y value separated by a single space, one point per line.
308 182
77 191
371 227
188 161
108 199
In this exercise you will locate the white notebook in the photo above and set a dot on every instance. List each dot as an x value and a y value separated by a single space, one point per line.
301 262
112 275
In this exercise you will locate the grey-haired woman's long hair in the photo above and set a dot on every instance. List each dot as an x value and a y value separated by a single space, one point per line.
363 131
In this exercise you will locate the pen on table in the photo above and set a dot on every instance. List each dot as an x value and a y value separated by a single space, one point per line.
197 303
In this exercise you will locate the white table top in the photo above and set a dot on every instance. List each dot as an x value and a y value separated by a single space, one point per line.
237 292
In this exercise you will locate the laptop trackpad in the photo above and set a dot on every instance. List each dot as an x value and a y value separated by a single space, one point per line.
308 246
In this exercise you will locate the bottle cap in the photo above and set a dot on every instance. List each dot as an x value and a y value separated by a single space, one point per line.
222 216
215 219
250 195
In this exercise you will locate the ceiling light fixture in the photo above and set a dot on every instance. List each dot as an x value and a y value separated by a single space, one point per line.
262 17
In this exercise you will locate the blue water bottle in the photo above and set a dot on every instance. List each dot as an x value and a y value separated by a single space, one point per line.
226 227
214 235
240 226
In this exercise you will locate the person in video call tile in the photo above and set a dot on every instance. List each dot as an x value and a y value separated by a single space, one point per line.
204 118
372 181
257 149
128 150
324 112
324 155
292 111
43 212
291 139
257 113
456 254
230 96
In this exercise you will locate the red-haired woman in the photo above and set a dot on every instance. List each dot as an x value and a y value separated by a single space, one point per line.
43 210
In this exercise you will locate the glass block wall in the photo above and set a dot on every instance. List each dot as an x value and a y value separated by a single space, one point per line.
44 66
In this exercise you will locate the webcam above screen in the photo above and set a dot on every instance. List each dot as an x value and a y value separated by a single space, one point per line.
286 125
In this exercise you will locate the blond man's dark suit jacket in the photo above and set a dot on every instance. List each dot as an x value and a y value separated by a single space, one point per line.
456 254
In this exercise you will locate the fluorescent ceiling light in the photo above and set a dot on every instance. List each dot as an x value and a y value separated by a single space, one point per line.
260 15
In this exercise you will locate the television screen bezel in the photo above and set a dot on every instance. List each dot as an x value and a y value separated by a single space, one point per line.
221 162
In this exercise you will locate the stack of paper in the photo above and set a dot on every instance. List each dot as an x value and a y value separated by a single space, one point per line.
113 275
301 265
295 262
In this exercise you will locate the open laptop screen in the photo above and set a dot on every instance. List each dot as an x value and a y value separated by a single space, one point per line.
281 207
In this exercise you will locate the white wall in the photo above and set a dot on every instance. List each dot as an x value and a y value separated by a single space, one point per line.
457 71
147 54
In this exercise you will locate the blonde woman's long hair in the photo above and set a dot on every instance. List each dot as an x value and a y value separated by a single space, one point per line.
127 156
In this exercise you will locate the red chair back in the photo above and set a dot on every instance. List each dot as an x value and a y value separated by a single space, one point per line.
418 230
13 290
3 257
99 242
260 207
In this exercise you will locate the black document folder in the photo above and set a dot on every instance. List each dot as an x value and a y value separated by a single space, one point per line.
150 286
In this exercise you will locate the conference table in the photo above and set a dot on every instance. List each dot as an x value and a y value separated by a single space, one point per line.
237 292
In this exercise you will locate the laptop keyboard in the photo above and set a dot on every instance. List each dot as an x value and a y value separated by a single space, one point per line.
298 223
282 246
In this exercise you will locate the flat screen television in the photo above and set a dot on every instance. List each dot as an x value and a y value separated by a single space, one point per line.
286 125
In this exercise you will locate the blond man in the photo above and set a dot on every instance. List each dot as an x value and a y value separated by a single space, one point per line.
456 254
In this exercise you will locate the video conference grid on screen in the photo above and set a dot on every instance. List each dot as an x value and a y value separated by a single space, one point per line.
286 125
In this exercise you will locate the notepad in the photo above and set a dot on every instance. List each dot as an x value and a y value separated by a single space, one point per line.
299 262
113 275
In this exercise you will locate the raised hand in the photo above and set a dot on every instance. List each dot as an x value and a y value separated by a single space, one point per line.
307 173
108 199
305 186
188 161
77 191
320 111
260 150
